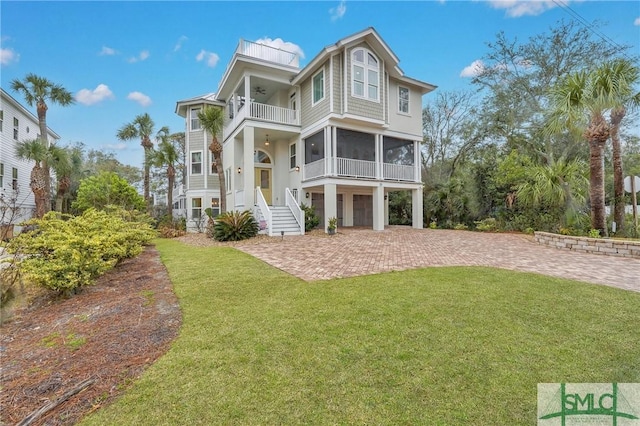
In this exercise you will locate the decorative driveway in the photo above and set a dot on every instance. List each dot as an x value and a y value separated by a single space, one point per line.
354 252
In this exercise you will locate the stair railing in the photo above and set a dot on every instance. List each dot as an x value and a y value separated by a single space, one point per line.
264 209
298 213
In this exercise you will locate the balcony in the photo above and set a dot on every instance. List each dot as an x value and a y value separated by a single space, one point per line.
268 53
263 112
360 169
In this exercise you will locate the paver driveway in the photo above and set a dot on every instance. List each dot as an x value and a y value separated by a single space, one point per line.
354 252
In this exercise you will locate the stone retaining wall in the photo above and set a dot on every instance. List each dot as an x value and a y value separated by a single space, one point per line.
608 247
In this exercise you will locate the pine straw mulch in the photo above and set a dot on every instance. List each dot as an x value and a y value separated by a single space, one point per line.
106 336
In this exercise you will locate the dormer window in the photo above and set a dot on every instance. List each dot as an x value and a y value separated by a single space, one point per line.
365 72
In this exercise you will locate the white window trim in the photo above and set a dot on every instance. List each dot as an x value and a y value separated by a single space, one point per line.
191 163
294 144
193 208
408 112
192 118
313 101
365 65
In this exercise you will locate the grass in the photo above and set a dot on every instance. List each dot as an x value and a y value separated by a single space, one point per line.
430 346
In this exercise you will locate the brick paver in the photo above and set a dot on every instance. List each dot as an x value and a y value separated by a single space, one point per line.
354 252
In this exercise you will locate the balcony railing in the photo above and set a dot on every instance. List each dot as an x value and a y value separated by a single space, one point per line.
359 169
268 53
356 168
263 112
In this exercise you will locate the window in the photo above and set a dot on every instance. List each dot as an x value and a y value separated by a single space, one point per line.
227 179
196 208
292 156
403 100
318 87
215 207
314 147
14 184
214 169
1 175
398 151
16 124
259 156
196 163
195 121
1 119
355 145
365 73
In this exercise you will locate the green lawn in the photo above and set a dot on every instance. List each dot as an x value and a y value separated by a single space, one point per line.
431 346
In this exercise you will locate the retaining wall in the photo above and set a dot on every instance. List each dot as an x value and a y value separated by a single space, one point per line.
608 247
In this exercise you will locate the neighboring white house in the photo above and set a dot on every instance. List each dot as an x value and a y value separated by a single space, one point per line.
17 124
338 134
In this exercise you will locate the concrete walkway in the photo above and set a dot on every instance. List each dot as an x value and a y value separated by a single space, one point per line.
354 252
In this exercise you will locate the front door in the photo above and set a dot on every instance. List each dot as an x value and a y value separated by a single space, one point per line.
263 180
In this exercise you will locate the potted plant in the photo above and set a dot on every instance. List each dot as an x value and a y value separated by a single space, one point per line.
333 224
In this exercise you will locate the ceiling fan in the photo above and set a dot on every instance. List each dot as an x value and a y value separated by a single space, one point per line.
259 90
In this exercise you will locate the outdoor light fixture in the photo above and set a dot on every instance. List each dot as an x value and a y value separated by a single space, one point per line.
239 170
266 143
297 168
306 195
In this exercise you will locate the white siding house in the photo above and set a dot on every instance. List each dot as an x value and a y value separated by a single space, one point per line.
17 124
338 134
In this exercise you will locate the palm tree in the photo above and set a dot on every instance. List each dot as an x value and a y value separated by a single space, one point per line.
617 79
211 119
38 90
66 162
167 156
141 127
36 150
579 103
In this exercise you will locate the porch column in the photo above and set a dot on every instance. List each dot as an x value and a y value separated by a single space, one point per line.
386 209
330 203
378 208
347 218
417 162
417 219
248 173
378 155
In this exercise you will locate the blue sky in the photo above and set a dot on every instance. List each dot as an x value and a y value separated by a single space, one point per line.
121 59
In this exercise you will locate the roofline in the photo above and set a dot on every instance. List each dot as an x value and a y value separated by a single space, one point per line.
25 111
209 98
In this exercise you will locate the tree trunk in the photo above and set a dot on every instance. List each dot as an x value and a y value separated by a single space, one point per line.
171 175
618 174
223 187
41 108
596 190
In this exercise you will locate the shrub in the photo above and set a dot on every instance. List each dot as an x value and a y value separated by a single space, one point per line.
311 219
65 253
594 233
105 189
489 224
235 226
461 227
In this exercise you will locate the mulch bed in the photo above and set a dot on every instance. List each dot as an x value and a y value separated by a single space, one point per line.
105 337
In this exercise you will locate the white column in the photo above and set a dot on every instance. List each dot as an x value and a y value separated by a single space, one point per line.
378 155
416 209
386 209
378 208
347 200
334 150
330 203
417 164
248 173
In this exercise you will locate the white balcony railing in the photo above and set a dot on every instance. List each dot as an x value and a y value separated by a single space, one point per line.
313 170
355 168
268 53
263 112
398 172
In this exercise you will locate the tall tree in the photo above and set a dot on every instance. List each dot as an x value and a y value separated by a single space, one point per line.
580 103
617 79
38 90
66 162
167 156
211 119
35 150
141 127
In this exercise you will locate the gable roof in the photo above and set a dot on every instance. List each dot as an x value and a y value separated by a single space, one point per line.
373 39
207 98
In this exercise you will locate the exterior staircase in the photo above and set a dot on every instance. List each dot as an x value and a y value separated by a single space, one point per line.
283 220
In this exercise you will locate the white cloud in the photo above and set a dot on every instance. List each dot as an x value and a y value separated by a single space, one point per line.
210 57
518 8
90 97
474 69
108 51
180 42
141 57
339 11
116 146
140 98
637 21
281 44
7 56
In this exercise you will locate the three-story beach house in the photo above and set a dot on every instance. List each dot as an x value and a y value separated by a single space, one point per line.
338 134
